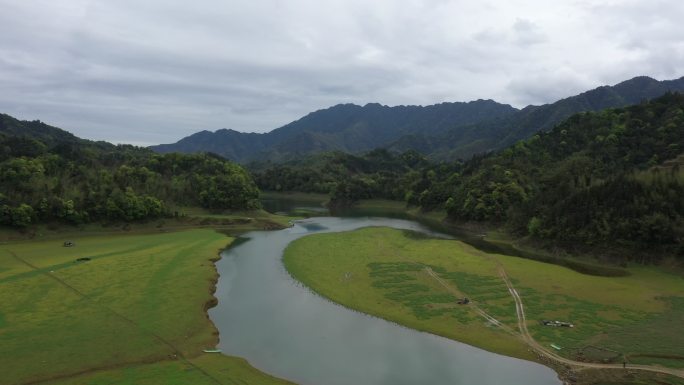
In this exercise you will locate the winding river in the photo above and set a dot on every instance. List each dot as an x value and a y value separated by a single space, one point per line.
285 330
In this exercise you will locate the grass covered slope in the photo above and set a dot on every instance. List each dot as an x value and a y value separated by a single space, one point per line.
384 272
381 272
133 313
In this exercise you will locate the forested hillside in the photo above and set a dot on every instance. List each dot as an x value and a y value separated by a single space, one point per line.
376 174
598 178
47 174
591 180
502 131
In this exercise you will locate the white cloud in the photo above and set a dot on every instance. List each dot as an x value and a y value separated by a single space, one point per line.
155 71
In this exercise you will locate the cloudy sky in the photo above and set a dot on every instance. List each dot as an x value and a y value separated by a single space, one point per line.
153 71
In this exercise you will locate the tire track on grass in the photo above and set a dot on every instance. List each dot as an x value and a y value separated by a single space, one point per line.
525 335
472 304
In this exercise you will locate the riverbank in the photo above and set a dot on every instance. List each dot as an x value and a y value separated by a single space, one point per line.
386 261
125 306
481 235
286 329
232 223
386 276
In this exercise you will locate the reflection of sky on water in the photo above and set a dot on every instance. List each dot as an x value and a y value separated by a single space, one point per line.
284 329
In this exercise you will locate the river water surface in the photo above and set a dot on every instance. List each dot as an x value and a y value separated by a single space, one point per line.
285 330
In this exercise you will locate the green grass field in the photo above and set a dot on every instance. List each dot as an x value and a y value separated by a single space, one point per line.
132 314
382 272
385 276
639 315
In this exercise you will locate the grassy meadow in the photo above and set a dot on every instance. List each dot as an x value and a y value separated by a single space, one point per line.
134 313
383 272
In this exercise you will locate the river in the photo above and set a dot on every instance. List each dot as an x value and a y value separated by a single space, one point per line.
284 329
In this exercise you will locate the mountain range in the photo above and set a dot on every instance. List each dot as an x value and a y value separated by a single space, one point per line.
500 132
440 131
345 127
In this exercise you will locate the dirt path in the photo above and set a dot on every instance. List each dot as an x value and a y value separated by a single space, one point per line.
473 305
532 343
527 337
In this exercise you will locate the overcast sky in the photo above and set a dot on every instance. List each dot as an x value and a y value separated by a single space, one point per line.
153 71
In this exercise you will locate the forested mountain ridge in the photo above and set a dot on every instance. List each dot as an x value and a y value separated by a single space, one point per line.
591 180
599 178
500 132
444 131
344 127
12 127
48 174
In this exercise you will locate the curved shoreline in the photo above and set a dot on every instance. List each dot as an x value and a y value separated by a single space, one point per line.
336 293
260 313
213 301
531 357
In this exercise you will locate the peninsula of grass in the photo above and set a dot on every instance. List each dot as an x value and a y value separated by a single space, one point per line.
114 309
384 272
381 272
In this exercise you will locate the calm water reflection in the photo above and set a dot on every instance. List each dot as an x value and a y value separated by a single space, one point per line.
283 329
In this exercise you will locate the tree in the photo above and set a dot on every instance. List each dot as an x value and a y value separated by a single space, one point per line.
22 216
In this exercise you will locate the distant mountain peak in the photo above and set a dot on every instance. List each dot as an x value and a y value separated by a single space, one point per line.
345 127
500 132
637 79
445 130
228 131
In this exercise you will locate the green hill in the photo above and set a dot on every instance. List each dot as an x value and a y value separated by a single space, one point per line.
608 180
47 174
500 132
593 180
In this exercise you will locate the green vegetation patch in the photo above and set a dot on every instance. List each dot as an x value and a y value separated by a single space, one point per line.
643 340
401 283
593 337
490 292
48 176
383 272
638 316
129 314
204 370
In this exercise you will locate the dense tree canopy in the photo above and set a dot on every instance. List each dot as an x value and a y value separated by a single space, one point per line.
612 177
377 174
592 180
599 178
60 177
